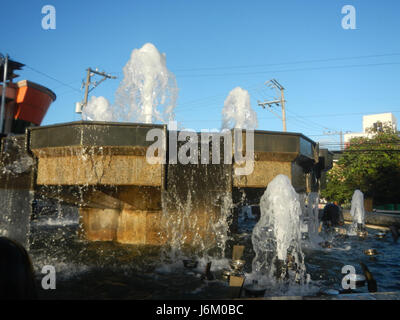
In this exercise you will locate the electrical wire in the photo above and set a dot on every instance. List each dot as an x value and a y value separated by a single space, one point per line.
288 70
52 78
291 62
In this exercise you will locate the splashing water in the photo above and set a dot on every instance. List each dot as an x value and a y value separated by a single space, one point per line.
312 214
181 218
98 109
276 237
15 197
357 210
237 111
148 93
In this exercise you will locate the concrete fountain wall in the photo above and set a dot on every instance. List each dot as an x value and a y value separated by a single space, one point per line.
101 168
291 154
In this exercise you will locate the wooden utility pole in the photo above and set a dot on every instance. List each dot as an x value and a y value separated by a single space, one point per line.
90 73
87 83
276 85
283 110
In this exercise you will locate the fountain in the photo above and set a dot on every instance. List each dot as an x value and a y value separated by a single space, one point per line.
237 111
313 221
276 237
132 210
147 93
357 212
98 109
310 219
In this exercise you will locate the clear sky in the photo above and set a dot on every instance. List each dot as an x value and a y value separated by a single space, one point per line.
332 76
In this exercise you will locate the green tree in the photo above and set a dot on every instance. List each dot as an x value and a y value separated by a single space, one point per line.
370 164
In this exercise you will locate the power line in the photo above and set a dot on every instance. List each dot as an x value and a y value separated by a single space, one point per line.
372 150
347 114
62 85
193 104
293 120
52 78
291 62
309 121
288 70
360 145
273 83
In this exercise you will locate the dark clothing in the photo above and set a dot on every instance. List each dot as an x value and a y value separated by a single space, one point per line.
395 232
332 215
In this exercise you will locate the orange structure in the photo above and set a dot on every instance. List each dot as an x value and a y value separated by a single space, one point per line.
25 103
32 102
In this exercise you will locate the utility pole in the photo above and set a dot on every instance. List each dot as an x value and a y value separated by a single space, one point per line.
87 83
90 73
335 133
283 107
3 94
276 85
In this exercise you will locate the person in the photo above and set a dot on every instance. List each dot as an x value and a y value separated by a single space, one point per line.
395 232
372 284
16 272
332 216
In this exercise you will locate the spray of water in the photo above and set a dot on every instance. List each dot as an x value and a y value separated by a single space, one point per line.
182 234
237 111
312 215
16 201
98 109
276 237
357 210
148 92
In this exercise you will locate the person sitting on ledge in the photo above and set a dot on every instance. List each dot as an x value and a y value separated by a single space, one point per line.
16 272
332 216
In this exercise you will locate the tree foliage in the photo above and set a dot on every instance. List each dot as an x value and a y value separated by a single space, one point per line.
370 164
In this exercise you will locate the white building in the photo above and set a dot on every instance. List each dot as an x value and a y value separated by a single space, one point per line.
372 121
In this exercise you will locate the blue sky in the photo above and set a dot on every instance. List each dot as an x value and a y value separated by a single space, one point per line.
215 46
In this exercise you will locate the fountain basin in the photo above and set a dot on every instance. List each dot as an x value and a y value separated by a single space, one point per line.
376 219
94 153
101 168
291 154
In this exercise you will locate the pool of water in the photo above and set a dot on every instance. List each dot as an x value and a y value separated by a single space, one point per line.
107 270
